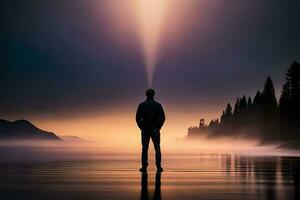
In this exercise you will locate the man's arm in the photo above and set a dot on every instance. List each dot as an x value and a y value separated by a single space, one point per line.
138 117
162 117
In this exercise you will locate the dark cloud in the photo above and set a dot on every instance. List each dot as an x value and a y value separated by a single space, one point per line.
58 56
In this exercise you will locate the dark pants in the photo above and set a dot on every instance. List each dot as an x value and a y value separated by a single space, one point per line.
155 137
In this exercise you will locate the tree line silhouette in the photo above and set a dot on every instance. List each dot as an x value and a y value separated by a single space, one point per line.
263 117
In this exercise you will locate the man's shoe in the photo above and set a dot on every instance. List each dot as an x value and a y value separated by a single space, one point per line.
159 169
143 169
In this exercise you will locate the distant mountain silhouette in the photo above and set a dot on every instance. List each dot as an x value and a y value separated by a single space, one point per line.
23 130
74 139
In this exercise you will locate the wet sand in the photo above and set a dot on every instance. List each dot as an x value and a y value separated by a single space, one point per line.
114 175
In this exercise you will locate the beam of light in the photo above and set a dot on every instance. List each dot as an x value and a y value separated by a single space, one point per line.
150 17
149 20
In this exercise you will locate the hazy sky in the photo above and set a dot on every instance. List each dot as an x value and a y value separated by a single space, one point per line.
62 61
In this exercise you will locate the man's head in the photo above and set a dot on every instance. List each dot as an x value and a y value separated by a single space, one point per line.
150 93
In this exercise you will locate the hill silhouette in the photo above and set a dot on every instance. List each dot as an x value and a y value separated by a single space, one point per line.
23 130
74 139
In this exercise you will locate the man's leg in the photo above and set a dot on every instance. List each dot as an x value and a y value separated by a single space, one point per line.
145 146
156 142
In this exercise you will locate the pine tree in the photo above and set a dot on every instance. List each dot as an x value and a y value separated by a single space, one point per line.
284 102
269 115
257 100
243 105
202 123
249 103
269 101
223 118
257 107
236 108
228 112
249 111
293 79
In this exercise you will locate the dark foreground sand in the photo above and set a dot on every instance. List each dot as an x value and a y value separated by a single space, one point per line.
106 175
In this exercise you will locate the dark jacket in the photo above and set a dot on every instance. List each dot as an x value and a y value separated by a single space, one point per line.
150 115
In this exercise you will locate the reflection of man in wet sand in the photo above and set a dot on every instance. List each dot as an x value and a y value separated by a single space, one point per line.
144 187
150 117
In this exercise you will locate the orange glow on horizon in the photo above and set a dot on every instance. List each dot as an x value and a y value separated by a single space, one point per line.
118 128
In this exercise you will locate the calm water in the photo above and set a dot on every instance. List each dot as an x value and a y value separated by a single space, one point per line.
103 174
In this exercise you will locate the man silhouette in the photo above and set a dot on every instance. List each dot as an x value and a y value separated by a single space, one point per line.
150 117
